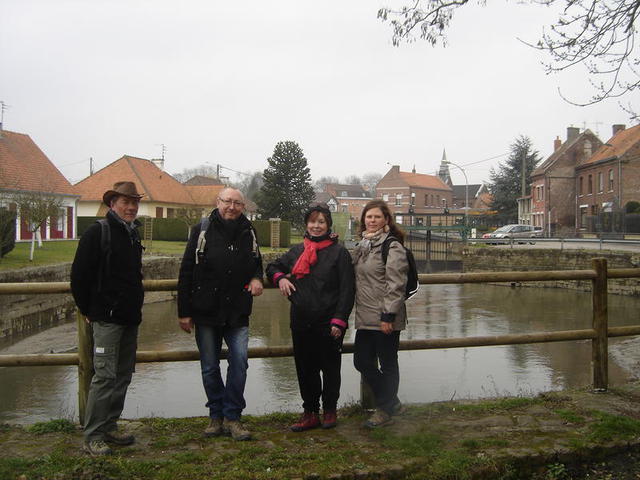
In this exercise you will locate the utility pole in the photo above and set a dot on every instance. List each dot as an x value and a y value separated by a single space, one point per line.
90 165
523 187
3 107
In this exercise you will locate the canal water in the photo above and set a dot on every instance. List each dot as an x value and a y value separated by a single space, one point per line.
30 394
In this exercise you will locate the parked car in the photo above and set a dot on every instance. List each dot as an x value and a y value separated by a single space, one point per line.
515 231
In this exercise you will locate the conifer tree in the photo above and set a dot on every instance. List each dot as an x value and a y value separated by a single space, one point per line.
506 182
287 190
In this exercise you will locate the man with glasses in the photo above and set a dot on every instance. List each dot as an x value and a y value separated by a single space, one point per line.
221 272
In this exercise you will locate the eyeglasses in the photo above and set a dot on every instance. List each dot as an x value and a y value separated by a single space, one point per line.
228 202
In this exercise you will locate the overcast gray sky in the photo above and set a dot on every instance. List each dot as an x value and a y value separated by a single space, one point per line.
223 82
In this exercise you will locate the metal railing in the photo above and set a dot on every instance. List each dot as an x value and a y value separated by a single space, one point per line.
598 333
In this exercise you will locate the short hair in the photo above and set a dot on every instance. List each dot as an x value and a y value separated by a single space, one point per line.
382 205
314 214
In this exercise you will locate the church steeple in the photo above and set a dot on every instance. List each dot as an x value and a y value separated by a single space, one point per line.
443 173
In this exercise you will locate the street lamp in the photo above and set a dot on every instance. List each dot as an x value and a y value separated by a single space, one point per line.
466 189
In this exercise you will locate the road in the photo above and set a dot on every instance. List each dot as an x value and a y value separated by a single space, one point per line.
574 244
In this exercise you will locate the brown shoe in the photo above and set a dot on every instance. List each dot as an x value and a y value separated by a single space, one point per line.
214 429
97 448
307 421
329 419
119 438
236 430
378 419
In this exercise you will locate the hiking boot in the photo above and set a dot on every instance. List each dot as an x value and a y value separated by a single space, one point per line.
214 429
307 421
378 419
119 438
97 448
236 430
398 409
329 419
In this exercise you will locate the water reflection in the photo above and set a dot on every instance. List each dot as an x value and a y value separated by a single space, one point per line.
174 389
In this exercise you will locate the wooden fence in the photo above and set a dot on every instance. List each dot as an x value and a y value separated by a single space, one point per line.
598 333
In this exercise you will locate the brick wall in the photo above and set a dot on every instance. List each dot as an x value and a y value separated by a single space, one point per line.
26 314
503 260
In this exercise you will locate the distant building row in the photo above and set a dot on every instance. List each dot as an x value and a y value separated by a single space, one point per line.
583 178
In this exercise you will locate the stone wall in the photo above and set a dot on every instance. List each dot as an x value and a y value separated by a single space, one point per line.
505 259
26 314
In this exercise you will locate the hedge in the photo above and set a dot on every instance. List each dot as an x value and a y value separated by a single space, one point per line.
174 229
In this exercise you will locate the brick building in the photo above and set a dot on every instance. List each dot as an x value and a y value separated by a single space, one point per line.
411 194
25 171
349 198
553 185
609 179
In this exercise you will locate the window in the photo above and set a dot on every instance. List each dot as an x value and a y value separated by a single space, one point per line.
590 185
600 182
580 186
61 219
343 193
399 219
611 180
385 197
171 213
398 199
583 217
426 200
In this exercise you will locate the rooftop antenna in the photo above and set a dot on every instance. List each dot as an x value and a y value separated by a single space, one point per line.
90 165
164 150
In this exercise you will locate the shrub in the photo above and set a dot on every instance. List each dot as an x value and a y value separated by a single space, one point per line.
263 229
7 231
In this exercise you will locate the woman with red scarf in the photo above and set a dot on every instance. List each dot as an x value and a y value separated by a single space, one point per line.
317 278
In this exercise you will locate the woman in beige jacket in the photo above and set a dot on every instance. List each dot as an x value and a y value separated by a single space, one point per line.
380 307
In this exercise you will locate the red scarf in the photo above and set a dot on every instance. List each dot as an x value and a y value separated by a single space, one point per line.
309 256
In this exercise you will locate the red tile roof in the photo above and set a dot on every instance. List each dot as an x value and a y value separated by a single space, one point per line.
424 180
23 166
616 146
204 194
157 185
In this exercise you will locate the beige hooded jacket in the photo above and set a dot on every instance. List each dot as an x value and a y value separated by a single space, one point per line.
380 288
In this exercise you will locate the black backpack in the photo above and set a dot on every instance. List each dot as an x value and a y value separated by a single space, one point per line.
412 275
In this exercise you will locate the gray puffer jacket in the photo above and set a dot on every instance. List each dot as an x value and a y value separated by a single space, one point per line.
380 288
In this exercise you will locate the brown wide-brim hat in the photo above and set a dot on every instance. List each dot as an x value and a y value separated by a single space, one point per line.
125 189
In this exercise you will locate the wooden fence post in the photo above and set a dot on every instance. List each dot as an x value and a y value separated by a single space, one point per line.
599 345
85 363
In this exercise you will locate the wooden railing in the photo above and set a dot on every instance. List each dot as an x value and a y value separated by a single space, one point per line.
598 333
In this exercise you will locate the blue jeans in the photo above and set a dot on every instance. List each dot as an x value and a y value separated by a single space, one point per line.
223 400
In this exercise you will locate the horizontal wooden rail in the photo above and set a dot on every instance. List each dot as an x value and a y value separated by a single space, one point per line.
56 359
166 285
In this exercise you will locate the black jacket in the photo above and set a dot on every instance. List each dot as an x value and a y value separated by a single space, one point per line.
214 291
327 292
119 296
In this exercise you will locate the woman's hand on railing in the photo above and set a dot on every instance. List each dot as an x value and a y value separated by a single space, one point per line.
255 287
186 324
286 287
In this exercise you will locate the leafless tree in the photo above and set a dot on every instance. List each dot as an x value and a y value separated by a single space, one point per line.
596 34
36 209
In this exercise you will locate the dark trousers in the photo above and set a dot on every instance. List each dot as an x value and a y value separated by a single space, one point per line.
315 353
373 347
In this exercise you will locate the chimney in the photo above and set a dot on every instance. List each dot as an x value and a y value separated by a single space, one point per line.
158 162
572 133
395 169
557 143
414 169
618 128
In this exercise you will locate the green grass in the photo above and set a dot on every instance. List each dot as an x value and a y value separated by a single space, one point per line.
569 416
499 404
50 253
609 427
52 426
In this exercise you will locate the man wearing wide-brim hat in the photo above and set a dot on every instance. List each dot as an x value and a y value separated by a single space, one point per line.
106 282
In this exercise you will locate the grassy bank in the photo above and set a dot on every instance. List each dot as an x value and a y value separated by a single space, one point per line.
62 251
549 437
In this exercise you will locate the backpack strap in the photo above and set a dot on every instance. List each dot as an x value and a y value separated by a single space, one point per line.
104 270
202 241
386 245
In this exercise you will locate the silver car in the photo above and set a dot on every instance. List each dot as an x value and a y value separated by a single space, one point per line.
515 231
